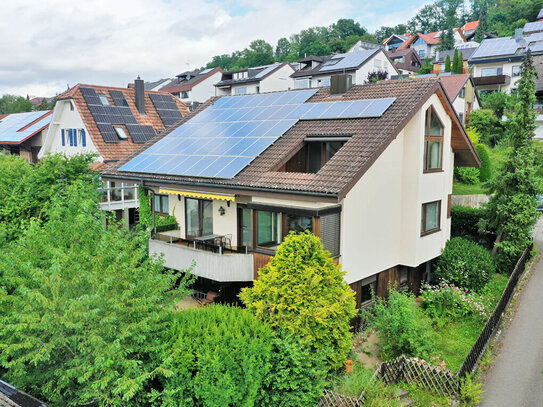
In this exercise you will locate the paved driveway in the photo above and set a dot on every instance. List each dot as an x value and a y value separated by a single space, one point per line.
516 379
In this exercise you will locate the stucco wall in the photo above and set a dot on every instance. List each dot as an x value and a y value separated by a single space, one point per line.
278 81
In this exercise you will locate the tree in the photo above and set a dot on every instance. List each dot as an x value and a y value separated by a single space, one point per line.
15 104
345 27
460 64
83 307
448 63
282 50
454 66
497 102
447 40
512 204
430 18
303 292
489 127
259 53
426 67
485 170
337 45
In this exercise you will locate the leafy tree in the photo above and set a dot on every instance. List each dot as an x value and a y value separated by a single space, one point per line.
448 63
282 50
259 53
337 45
426 67
497 102
15 104
83 307
302 291
489 127
512 204
447 40
430 18
344 27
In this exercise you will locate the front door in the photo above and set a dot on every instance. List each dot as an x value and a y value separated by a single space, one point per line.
199 217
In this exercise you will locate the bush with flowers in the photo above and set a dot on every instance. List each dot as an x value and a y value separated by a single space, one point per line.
451 301
465 264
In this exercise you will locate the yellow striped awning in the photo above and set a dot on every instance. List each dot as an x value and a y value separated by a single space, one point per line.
200 195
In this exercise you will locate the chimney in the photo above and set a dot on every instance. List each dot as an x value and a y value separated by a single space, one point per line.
518 33
140 95
340 84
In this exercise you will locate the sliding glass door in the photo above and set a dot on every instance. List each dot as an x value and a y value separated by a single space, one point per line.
199 217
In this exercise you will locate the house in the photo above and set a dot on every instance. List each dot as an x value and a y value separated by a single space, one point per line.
317 71
461 92
368 169
156 85
111 123
23 133
194 87
439 62
11 396
535 26
394 41
426 44
260 79
496 64
362 45
406 61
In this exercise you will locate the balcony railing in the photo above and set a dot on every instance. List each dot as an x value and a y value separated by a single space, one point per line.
125 196
492 80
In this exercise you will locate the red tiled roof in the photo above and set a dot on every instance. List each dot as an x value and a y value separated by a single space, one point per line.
370 137
453 84
116 151
471 25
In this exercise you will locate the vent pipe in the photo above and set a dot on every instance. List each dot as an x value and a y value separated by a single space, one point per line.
140 95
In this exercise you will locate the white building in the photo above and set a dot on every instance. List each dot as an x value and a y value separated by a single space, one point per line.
316 71
194 87
260 79
110 123
375 186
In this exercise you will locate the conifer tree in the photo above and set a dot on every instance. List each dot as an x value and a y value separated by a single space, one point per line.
460 66
483 23
448 64
454 67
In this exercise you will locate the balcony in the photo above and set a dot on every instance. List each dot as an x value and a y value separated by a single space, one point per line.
214 262
118 196
492 80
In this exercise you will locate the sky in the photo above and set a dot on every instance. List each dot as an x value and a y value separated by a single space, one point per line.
48 45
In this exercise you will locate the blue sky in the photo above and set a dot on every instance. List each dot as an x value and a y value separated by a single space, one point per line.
55 43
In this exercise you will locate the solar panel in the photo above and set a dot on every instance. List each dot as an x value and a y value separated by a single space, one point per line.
349 60
140 133
118 98
206 71
534 26
224 138
108 132
167 108
498 46
13 128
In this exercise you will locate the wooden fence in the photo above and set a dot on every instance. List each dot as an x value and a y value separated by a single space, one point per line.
434 378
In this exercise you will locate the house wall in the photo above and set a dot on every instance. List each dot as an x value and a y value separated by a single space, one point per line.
383 231
378 62
278 81
65 118
204 90
507 67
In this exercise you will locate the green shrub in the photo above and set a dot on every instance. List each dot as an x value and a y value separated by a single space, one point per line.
447 300
465 264
146 214
485 171
471 391
302 291
216 356
403 327
296 377
485 122
467 175
464 221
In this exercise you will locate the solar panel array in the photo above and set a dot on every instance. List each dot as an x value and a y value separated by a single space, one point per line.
167 108
349 60
108 116
206 71
224 138
498 46
11 126
532 27
537 46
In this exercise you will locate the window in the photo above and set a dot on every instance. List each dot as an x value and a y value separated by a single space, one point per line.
399 60
184 95
491 71
431 213
443 67
241 91
268 229
258 89
245 222
160 204
120 133
433 142
422 53
82 137
104 100
316 152
71 105
461 117
299 224
199 217
325 82
462 93
302 83
516 70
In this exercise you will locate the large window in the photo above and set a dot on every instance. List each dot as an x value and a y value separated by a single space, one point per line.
491 71
268 229
431 214
161 204
433 142
199 217
241 91
298 224
302 83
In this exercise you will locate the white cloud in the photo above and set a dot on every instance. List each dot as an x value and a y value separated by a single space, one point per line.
57 42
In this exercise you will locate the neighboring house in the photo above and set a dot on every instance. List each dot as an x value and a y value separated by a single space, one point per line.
496 64
406 61
535 26
426 44
439 62
316 71
10 396
111 123
393 42
194 87
260 79
37 101
362 45
369 171
23 133
161 83
461 92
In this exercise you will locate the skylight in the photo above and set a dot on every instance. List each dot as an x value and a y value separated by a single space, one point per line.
121 133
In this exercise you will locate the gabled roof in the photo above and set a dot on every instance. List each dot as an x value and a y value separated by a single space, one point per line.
409 54
152 85
195 78
505 48
338 63
466 53
112 151
540 15
400 37
255 74
16 128
453 84
430 38
369 138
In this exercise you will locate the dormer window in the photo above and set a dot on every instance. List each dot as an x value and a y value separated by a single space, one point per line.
316 152
433 142
104 100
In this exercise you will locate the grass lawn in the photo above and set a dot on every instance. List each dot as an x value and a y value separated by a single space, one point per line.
467 189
